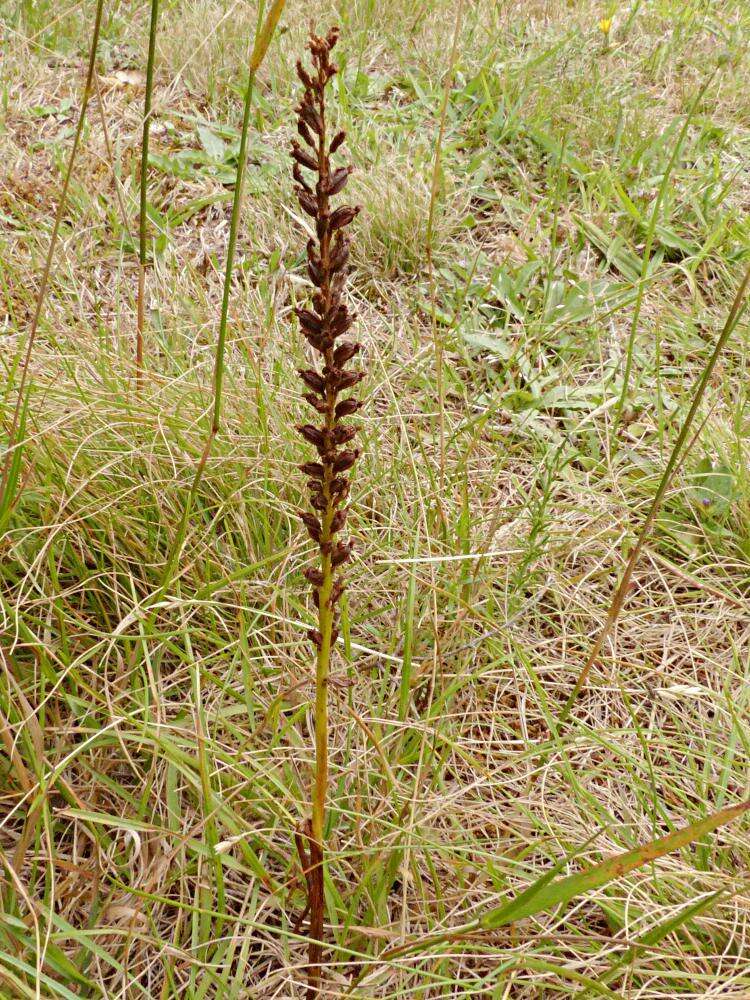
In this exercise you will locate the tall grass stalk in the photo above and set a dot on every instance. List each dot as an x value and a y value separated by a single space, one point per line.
679 452
143 209
437 339
648 250
263 38
116 182
61 204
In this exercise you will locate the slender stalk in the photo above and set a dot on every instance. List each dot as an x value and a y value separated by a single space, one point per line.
117 183
677 455
327 269
142 216
262 41
437 339
4 477
260 48
647 250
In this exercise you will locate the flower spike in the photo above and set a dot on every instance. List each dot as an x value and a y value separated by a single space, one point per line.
321 323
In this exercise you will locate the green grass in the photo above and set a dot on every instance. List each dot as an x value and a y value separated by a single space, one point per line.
155 744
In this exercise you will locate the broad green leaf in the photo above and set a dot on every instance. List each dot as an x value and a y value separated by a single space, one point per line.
565 889
544 895
488 342
214 146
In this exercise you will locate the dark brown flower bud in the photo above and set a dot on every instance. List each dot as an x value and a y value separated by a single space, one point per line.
338 180
303 158
343 216
340 492
340 253
310 117
297 174
315 402
314 469
331 373
312 434
339 322
345 460
337 140
313 576
307 202
312 380
336 591
305 133
341 434
338 521
345 352
341 552
347 379
337 286
346 407
315 274
305 78
316 341
308 320
312 524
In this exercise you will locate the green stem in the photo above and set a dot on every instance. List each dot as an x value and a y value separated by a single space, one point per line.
143 217
231 250
262 41
437 339
647 250
677 455
218 377
51 252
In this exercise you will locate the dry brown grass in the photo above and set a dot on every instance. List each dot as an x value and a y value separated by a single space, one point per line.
143 725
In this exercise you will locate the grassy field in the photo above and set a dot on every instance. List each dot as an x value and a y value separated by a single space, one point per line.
540 285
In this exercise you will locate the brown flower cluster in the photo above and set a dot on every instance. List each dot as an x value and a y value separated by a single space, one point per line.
323 326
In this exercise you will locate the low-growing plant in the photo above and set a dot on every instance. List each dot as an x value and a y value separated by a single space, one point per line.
322 326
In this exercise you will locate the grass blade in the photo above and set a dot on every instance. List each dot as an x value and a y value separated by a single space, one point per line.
262 41
657 934
429 237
